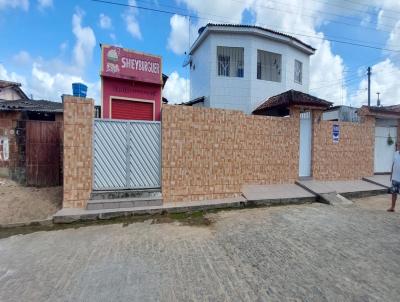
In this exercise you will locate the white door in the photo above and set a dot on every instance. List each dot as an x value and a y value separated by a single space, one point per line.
383 151
305 144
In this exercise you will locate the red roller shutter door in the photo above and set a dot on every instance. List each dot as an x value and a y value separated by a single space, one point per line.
131 110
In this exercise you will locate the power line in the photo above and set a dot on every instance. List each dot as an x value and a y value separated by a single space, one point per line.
348 79
328 96
318 11
285 32
199 17
369 6
353 9
347 8
292 12
338 83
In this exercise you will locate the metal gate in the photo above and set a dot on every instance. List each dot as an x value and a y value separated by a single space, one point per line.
384 153
127 154
305 144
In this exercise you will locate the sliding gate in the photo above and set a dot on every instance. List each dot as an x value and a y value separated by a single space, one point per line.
127 154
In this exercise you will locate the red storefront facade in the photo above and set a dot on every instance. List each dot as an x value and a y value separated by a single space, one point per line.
131 84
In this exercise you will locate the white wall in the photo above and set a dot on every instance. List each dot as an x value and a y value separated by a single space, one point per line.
230 92
261 89
248 92
200 73
9 94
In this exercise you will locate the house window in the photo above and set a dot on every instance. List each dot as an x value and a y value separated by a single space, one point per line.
230 61
269 66
298 71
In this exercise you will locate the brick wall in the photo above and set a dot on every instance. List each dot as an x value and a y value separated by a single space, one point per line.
78 128
351 158
211 153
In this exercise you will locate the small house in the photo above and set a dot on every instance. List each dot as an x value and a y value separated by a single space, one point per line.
240 66
11 91
30 139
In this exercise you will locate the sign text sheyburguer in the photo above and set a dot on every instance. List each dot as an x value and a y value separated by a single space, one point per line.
122 63
141 65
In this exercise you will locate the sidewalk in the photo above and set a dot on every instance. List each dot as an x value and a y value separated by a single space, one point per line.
347 188
381 180
252 195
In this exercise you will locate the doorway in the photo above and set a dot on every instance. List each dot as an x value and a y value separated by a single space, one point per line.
305 144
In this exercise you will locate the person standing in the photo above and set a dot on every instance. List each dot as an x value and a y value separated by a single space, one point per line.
395 178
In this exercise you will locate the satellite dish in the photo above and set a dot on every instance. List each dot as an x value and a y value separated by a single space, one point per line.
187 60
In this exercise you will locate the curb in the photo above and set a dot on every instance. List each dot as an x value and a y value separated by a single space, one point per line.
240 203
43 222
374 182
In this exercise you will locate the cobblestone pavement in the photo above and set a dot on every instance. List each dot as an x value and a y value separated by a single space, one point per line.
295 253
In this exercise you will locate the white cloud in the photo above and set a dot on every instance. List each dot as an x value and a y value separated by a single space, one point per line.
11 76
221 11
22 58
85 40
305 21
45 3
51 77
296 16
132 25
384 79
387 16
178 40
393 41
302 17
42 84
176 90
113 36
105 21
23 4
63 46
326 67
51 86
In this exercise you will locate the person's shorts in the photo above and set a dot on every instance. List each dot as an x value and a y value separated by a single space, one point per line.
395 188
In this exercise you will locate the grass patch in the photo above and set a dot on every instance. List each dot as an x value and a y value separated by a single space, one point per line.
196 218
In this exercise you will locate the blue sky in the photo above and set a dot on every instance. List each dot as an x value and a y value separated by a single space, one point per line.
51 43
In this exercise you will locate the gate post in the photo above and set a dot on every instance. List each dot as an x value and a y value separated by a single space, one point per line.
78 153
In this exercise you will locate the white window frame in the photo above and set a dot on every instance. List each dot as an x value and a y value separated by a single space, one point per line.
295 72
228 67
264 73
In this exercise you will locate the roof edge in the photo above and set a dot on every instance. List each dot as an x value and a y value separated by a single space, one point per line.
292 41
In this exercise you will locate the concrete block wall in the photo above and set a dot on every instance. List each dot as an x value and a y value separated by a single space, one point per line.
212 153
351 158
77 143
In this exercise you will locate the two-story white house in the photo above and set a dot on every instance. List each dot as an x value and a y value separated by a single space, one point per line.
240 66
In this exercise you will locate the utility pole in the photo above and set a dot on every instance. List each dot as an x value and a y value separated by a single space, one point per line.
369 86
378 102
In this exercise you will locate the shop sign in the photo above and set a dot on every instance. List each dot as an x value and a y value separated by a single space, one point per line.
123 63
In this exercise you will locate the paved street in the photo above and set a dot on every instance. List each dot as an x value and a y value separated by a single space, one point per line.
295 253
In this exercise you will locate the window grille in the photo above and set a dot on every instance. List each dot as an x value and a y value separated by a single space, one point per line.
298 71
269 66
230 61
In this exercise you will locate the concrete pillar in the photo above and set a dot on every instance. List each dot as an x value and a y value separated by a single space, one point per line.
77 163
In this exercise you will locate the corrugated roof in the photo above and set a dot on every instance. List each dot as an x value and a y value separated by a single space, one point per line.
263 29
386 110
31 105
194 101
292 97
395 108
4 84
